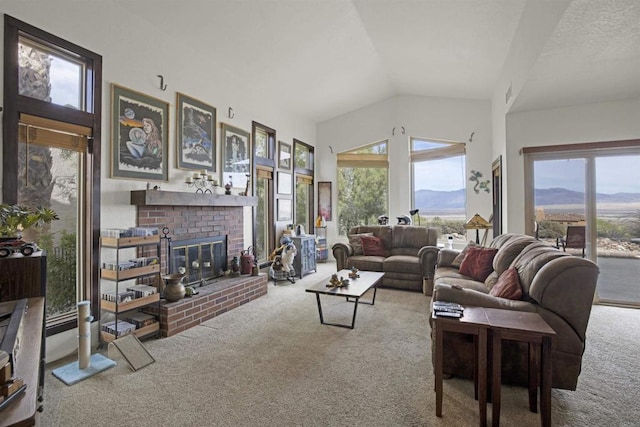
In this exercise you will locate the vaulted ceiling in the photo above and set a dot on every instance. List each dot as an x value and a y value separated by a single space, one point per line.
323 58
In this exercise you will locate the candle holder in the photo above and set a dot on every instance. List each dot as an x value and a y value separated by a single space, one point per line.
202 181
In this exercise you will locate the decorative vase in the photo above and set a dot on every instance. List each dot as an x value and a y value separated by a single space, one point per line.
173 287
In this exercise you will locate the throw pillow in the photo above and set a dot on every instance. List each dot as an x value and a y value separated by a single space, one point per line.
371 245
478 263
508 285
458 260
355 240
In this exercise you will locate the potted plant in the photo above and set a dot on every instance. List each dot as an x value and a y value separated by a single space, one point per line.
14 219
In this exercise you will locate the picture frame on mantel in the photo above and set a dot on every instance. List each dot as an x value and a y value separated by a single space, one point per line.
139 135
236 157
195 134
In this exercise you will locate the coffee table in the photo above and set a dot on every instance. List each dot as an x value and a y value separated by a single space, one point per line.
356 289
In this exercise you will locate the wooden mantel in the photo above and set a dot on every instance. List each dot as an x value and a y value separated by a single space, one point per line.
181 198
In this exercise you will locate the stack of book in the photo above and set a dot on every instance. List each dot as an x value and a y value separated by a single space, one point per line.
447 309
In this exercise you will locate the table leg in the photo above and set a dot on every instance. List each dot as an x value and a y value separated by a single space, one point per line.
545 383
438 367
534 371
319 308
481 373
355 309
496 377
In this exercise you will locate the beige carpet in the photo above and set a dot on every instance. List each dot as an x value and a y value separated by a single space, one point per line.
271 363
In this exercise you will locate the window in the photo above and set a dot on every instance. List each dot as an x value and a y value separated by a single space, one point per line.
51 118
264 164
438 180
304 177
362 186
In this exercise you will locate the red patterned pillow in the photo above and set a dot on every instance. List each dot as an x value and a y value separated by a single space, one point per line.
371 245
508 285
478 263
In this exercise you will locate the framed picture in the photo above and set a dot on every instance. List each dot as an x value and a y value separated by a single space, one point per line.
285 209
236 157
139 135
284 183
324 200
284 155
195 134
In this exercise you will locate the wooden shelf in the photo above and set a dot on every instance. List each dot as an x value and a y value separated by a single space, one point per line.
131 273
128 242
182 198
140 332
130 305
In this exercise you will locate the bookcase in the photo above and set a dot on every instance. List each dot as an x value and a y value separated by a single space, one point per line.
123 301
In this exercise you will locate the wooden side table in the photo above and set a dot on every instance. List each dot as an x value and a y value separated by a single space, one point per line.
474 322
532 329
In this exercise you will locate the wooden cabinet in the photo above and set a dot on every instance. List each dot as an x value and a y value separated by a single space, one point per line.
127 300
305 260
23 276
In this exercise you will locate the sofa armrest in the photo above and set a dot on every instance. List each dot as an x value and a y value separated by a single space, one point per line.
446 257
428 256
472 297
341 251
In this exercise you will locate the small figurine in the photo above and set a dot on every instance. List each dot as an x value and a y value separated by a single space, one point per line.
354 273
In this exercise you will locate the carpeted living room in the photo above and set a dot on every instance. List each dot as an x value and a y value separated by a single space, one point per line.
270 362
186 187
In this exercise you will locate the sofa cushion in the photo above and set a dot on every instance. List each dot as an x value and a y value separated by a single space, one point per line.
457 261
508 285
355 240
373 246
403 264
382 232
509 249
478 263
365 263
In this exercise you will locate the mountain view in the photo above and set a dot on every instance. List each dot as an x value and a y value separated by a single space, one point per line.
428 200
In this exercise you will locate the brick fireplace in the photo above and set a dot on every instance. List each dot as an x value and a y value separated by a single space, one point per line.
189 216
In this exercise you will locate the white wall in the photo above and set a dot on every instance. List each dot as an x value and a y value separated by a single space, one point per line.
134 53
608 121
426 117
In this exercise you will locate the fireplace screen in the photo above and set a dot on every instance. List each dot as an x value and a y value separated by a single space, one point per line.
200 259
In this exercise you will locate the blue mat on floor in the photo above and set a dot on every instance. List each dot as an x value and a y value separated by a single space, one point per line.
71 373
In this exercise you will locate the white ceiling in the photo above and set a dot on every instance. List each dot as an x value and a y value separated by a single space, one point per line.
323 58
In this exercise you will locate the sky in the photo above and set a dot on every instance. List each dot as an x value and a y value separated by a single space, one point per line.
441 175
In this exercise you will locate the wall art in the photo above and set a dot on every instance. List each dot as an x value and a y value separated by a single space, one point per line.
195 134
324 200
236 157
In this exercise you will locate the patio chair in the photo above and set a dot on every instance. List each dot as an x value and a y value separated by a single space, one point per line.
575 238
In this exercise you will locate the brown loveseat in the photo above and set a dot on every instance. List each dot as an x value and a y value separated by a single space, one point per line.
408 260
558 286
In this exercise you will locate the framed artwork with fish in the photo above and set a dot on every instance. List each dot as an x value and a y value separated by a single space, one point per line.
195 134
139 135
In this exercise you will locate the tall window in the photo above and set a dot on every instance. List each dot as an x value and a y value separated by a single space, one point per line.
362 186
51 120
264 231
304 176
438 180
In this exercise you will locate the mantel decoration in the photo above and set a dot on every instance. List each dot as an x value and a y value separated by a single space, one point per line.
203 182
479 185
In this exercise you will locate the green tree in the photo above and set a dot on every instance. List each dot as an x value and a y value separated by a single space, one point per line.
61 272
362 196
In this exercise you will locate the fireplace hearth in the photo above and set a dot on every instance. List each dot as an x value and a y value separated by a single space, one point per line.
201 259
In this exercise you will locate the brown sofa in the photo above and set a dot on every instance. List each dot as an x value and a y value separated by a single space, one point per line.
558 286
409 258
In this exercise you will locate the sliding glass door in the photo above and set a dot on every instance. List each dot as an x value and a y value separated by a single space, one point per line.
589 200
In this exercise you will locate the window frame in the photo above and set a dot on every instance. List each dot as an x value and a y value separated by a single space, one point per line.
305 173
268 165
15 104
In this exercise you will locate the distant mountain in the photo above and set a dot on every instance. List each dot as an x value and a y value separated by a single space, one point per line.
562 196
426 200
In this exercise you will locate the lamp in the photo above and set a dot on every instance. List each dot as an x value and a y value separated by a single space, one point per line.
477 223
413 212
